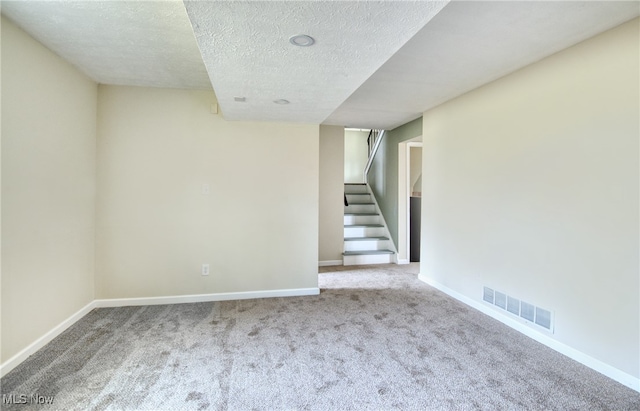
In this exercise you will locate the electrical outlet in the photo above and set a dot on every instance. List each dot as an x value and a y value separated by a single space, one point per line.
205 269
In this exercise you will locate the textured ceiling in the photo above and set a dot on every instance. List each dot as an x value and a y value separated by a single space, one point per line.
374 64
139 43
469 44
246 49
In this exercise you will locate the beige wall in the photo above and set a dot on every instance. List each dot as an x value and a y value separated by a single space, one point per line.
1 355
331 242
258 227
531 187
355 155
48 190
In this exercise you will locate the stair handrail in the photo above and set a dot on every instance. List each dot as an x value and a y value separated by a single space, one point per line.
373 149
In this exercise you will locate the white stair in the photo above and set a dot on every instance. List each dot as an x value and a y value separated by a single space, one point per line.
366 238
360 208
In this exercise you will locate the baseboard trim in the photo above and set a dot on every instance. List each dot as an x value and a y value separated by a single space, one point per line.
31 349
14 361
203 298
327 263
597 365
403 261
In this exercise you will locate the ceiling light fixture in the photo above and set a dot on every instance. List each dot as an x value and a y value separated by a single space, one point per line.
240 99
281 101
302 40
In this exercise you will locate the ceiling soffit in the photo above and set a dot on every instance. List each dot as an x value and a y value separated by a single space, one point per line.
245 47
469 44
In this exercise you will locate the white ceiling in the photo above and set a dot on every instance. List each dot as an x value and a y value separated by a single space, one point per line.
374 64
469 44
139 43
246 49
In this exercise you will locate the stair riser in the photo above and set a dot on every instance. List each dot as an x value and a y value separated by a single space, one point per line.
361 219
358 198
376 251
364 232
359 208
349 189
368 259
367 245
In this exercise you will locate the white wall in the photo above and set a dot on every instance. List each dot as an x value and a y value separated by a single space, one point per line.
331 218
258 227
531 187
48 190
355 155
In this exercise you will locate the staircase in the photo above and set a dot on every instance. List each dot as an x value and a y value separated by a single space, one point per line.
366 238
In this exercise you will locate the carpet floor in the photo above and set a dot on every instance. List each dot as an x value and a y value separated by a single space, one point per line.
376 338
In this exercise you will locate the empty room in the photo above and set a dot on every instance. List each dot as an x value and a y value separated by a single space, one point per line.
327 205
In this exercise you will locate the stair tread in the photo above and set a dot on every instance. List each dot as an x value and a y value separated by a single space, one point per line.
368 252
365 238
352 203
362 214
362 225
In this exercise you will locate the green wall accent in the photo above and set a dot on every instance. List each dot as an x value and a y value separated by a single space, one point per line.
383 175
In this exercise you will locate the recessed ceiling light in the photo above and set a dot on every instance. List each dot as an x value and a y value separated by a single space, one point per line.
240 99
302 40
281 101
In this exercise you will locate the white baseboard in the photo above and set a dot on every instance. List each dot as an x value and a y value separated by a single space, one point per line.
202 298
14 361
327 263
597 365
403 261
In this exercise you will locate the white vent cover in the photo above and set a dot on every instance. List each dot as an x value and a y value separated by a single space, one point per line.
488 295
543 318
501 300
521 309
528 311
513 305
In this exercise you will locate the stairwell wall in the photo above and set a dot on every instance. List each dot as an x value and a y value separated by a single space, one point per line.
355 155
383 175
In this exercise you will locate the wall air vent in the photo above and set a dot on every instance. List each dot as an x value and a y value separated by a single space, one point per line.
543 318
528 311
513 305
521 309
501 300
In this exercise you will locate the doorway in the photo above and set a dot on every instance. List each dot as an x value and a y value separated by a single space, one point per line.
409 199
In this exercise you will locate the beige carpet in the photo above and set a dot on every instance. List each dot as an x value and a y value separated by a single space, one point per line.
376 338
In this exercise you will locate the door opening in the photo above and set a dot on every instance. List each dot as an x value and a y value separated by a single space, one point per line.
409 199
